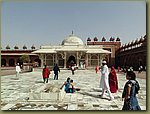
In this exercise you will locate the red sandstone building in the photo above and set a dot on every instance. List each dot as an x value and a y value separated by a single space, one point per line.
9 57
111 45
131 54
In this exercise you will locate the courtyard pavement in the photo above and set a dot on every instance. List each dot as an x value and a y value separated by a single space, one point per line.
15 92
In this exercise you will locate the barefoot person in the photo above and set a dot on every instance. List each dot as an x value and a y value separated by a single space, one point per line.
104 80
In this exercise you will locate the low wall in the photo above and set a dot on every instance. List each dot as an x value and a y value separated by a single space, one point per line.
47 92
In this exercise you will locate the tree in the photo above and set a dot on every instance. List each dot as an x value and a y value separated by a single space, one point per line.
25 58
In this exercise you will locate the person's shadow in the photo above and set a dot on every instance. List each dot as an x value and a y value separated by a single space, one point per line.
93 95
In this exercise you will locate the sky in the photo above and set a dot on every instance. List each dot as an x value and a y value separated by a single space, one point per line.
49 23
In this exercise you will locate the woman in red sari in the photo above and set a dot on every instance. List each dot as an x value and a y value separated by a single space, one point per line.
96 69
46 73
113 82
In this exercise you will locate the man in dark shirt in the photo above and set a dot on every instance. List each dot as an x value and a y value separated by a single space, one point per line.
56 69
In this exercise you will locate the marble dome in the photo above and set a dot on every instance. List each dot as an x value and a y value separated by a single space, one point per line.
72 40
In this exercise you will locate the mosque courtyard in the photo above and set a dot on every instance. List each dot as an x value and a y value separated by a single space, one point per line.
28 92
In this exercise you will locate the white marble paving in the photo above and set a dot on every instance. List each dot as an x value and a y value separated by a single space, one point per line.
17 91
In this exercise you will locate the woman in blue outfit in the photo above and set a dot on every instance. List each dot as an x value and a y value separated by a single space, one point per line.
131 88
67 85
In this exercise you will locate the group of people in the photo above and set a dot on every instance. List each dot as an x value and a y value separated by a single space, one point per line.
69 86
104 82
109 83
46 73
112 77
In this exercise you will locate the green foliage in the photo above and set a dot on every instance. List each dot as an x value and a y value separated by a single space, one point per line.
25 58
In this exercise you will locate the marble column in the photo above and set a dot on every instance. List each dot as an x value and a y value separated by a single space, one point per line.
86 60
56 59
64 60
41 57
98 59
44 59
77 64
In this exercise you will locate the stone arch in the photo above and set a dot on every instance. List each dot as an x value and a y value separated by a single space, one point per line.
49 60
11 62
3 62
94 56
71 60
94 60
38 61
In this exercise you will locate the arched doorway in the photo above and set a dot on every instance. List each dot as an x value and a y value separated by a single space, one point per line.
3 63
38 61
11 62
94 60
71 61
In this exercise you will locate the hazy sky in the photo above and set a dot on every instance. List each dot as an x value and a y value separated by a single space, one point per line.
43 23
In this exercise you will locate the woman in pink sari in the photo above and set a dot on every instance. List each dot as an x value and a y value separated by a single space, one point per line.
113 82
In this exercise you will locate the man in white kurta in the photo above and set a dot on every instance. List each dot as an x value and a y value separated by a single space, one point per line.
18 70
104 80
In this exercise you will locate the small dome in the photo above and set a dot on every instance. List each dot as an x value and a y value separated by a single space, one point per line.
16 47
7 47
33 47
89 39
95 39
103 39
110 39
118 39
24 47
141 39
132 43
72 40
136 41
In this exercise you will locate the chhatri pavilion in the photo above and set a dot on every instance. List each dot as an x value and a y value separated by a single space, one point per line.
72 49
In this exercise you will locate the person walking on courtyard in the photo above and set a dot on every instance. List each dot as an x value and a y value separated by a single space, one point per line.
131 88
140 69
96 69
56 69
72 69
18 70
46 73
104 80
113 82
